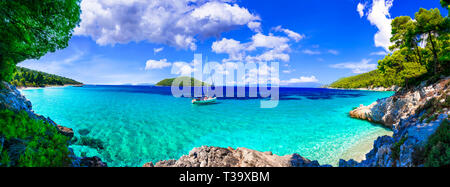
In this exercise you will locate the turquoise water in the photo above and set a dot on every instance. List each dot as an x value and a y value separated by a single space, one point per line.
142 124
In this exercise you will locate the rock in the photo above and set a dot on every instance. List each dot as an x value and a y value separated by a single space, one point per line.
411 131
84 132
241 157
92 162
148 165
389 111
65 131
91 142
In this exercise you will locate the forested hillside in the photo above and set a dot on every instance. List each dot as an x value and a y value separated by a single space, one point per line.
24 77
420 51
168 82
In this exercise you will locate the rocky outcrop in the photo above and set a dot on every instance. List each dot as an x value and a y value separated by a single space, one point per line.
389 111
414 115
241 157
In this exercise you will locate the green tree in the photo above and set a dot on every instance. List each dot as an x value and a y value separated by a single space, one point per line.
31 28
429 23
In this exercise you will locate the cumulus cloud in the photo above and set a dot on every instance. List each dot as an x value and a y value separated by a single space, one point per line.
182 68
357 67
273 48
302 79
291 34
233 48
379 16
176 23
157 64
254 26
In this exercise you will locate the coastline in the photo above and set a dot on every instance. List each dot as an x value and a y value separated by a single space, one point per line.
359 150
48 86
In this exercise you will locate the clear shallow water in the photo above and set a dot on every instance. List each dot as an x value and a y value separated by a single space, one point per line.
139 124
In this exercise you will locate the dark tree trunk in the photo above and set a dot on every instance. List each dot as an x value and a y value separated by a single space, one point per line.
434 52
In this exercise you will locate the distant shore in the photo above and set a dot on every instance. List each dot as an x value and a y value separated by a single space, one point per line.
48 86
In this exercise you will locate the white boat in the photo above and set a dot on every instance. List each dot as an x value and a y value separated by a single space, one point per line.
203 102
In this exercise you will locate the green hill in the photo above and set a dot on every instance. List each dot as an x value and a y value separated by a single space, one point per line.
168 82
372 78
24 77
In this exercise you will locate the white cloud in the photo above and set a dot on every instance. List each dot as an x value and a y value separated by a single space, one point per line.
233 48
360 8
176 23
267 41
381 53
182 68
334 52
157 64
300 80
378 15
288 71
157 50
311 52
273 48
291 34
254 26
357 67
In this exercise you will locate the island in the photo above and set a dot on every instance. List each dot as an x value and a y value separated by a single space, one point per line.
194 82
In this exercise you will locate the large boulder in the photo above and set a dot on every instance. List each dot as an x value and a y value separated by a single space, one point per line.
228 157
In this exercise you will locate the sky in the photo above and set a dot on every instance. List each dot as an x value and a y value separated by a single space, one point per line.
315 42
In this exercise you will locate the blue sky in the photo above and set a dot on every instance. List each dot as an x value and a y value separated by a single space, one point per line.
142 41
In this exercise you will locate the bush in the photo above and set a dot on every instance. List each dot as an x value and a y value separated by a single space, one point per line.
28 142
437 150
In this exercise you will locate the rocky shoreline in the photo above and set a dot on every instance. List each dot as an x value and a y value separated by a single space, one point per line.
407 113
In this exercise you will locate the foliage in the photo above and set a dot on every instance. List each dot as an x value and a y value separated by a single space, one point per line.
420 51
364 80
31 28
42 145
190 80
395 149
437 150
24 77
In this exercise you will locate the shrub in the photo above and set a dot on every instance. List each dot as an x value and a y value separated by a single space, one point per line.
437 150
40 144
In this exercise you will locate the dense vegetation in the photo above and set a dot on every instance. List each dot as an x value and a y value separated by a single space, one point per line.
364 80
24 77
31 28
27 142
193 82
421 51
437 150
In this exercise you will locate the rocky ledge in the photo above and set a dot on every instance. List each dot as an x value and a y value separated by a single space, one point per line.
241 157
389 111
414 115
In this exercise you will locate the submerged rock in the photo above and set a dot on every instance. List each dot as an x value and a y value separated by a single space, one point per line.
92 162
241 157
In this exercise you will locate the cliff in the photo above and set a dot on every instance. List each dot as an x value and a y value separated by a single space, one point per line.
415 115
